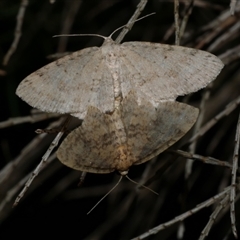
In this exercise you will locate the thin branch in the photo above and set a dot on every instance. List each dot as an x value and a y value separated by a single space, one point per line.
230 55
185 215
176 19
229 34
233 6
70 15
28 119
17 33
208 160
198 124
233 182
42 163
12 192
187 12
222 204
228 109
132 20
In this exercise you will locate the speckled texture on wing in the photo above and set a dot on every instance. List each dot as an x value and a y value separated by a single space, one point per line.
152 130
86 78
90 147
93 147
164 72
70 84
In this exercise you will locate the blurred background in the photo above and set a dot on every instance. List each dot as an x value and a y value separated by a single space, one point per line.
54 204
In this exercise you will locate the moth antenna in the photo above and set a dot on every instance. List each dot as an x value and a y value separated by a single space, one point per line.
106 195
134 21
80 35
97 35
141 185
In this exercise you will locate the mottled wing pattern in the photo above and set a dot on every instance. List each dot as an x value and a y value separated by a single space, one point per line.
155 71
70 84
164 72
152 130
90 147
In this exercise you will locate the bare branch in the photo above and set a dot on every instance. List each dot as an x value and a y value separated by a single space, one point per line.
18 31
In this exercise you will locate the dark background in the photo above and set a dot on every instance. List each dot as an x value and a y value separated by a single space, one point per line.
54 205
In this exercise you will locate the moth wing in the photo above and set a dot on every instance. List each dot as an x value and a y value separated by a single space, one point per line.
70 84
90 147
152 130
163 72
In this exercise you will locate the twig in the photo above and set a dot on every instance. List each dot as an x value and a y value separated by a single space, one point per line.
222 204
12 192
42 163
233 182
82 178
31 119
176 19
229 108
230 55
221 19
225 37
132 20
183 216
233 6
187 12
26 153
208 160
17 33
71 12
198 124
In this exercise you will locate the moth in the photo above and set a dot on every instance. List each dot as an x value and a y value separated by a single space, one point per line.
130 135
96 76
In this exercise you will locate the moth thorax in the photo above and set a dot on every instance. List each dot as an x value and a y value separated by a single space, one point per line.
114 67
